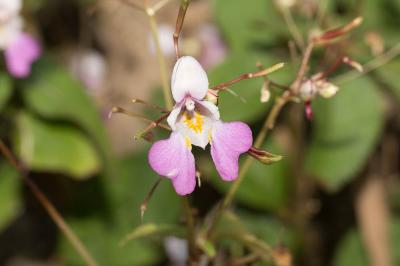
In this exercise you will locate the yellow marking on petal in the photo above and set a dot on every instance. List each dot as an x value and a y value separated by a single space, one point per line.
209 136
194 122
188 143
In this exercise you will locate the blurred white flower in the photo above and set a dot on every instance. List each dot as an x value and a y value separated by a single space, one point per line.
9 30
177 250
165 35
90 67
9 9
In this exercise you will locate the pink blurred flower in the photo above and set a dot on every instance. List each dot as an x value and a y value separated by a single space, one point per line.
20 49
195 121
214 49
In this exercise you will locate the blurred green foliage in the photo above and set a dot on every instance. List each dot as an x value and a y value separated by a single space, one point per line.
57 129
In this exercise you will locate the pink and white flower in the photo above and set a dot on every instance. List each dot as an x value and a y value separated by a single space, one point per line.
196 121
20 49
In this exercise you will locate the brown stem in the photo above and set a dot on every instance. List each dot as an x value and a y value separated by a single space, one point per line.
120 110
257 74
179 23
49 207
152 125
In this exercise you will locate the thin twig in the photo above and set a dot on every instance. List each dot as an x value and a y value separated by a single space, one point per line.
160 56
143 206
179 23
371 65
190 226
49 207
257 74
120 110
294 30
152 125
157 6
154 106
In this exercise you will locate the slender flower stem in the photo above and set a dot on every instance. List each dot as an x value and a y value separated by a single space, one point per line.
179 24
190 227
49 207
243 170
161 60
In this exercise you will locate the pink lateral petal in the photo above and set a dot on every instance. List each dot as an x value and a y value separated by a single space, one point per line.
229 141
172 159
21 54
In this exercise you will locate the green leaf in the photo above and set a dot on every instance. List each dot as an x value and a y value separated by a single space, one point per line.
390 75
246 25
231 107
124 197
54 94
265 187
345 131
5 89
53 147
352 252
9 195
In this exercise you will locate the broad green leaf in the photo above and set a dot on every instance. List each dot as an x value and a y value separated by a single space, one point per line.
345 130
9 194
352 252
54 147
5 89
265 187
232 107
54 94
125 193
390 75
248 25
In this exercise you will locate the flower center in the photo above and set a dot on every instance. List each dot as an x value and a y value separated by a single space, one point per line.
189 105
194 121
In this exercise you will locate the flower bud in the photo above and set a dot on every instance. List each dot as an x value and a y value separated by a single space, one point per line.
308 90
327 89
264 156
212 96
265 92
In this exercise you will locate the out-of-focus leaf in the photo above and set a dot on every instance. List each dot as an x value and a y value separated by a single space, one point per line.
152 229
351 250
390 74
265 187
207 246
345 130
125 195
249 25
5 89
259 233
54 94
52 147
231 107
9 194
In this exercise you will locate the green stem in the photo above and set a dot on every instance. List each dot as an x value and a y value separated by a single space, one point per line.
190 227
161 60
246 166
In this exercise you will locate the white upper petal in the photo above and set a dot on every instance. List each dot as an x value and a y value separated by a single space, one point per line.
9 31
188 78
173 116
